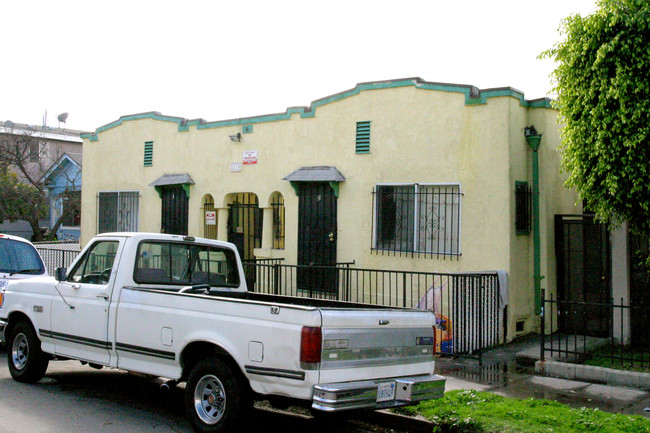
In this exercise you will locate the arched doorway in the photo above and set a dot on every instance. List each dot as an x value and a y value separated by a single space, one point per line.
245 223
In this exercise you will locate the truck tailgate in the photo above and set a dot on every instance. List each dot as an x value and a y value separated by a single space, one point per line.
377 342
376 359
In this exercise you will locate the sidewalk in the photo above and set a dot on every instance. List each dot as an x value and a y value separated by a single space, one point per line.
502 374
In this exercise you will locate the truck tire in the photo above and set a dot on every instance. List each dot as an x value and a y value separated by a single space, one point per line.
27 363
216 399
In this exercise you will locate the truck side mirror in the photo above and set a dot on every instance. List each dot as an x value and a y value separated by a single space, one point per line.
59 274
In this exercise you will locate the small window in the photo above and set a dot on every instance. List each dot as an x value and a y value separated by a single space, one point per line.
71 209
34 151
185 264
523 208
363 137
148 153
277 203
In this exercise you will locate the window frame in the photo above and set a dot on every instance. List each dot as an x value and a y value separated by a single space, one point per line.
414 239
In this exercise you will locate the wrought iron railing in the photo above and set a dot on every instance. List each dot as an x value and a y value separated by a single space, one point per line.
565 337
468 308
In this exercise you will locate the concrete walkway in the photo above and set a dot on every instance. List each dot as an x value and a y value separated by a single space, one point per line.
503 375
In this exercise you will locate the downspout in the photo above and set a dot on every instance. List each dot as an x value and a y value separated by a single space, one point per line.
534 139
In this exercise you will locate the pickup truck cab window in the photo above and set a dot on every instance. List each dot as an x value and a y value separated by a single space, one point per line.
185 264
95 267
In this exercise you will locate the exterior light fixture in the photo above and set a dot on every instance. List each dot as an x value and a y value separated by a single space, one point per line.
236 137
530 131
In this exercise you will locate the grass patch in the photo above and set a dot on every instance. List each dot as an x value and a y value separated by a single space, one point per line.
620 357
483 412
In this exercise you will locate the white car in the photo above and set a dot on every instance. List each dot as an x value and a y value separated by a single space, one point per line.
19 259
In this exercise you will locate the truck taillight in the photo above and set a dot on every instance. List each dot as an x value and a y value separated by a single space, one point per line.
311 341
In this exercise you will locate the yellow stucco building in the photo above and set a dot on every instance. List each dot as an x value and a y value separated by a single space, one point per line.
401 174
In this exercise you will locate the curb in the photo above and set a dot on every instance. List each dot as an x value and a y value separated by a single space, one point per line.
397 421
589 373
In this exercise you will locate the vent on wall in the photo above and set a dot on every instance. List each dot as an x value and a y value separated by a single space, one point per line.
520 326
363 137
148 153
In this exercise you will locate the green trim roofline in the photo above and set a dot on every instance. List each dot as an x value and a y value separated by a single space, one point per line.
473 96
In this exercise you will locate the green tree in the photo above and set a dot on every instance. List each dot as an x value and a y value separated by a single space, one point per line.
602 86
20 201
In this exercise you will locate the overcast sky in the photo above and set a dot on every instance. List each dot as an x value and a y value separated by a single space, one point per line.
217 60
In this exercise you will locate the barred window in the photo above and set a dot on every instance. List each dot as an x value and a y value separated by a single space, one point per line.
118 211
418 219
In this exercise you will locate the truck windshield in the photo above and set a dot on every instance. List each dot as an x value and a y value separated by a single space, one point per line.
19 258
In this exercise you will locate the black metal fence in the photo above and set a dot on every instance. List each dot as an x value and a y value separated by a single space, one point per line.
621 348
57 255
468 308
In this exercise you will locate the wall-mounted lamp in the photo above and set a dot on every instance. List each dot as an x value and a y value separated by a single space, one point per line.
236 137
530 131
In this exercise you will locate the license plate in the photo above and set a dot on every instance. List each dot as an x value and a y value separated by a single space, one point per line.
385 391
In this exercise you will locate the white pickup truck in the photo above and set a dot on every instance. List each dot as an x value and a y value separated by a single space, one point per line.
178 308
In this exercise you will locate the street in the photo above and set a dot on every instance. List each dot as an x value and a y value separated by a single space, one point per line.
73 398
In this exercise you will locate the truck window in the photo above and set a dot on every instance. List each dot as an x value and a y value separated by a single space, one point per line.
96 265
185 264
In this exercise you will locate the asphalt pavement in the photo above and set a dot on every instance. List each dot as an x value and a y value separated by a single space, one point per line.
72 398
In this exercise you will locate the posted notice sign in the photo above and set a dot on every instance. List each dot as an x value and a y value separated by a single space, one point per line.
210 218
250 157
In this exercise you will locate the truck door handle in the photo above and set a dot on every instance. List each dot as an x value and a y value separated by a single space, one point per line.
76 286
104 296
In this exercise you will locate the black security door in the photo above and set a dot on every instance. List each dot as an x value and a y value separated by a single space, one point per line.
174 210
317 237
583 283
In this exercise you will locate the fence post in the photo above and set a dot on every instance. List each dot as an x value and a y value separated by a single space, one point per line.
276 278
542 324
404 290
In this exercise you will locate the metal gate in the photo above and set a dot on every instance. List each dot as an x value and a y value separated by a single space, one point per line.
245 220
583 275
175 208
317 210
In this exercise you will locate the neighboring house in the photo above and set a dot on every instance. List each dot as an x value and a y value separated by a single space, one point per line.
46 151
62 183
402 174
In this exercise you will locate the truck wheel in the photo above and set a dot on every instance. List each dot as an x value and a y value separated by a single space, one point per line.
27 363
216 399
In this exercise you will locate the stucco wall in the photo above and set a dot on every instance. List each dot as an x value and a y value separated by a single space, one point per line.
417 136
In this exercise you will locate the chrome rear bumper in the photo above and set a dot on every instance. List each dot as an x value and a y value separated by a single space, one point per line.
332 397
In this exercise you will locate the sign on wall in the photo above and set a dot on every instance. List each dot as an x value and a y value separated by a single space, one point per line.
250 157
210 217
